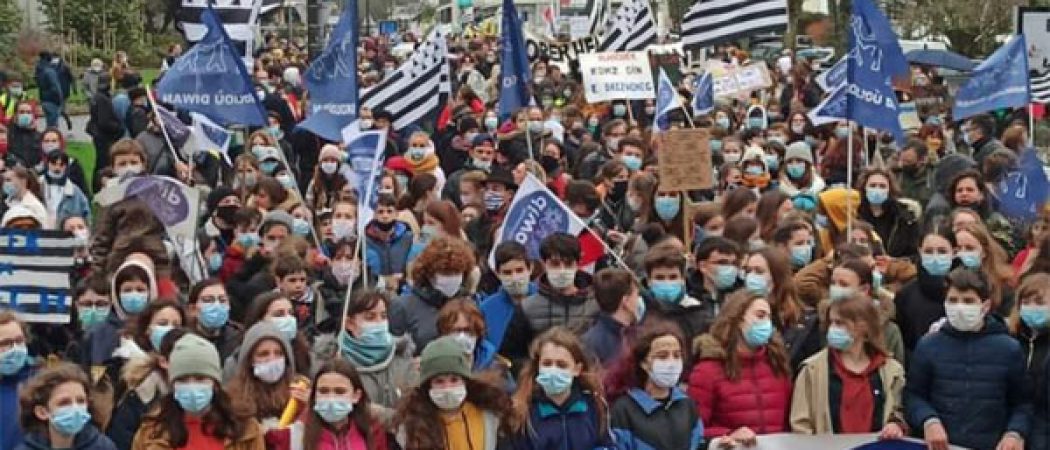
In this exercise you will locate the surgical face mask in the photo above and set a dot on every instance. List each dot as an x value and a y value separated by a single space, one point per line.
25 120
193 398
561 278
376 334
716 145
619 110
13 359
632 162
248 239
69 420
287 325
366 124
841 132
798 128
466 340
665 373
344 272
935 264
300 227
448 284
554 380
268 167
48 147
667 208
16 91
269 371
839 293
759 333
450 398
90 316
1035 316
801 255
133 302
343 228
250 179
535 126
877 196
333 410
329 167
82 237
725 276
157 333
971 259
417 153
722 122
964 317
772 162
491 123
839 338
10 189
731 157
215 262
612 143
132 169
286 180
516 285
667 291
756 283
754 170
756 123
213 315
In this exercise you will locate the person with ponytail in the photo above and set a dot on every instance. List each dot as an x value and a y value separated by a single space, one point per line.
198 413
340 415
55 412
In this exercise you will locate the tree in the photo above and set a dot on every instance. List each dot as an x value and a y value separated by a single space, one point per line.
970 26
92 20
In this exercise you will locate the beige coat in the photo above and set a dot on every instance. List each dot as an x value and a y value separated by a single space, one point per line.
810 413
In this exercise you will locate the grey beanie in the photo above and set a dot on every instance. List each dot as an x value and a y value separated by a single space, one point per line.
443 356
194 355
276 217
800 150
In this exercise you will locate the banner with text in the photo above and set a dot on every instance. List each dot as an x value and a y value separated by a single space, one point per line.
617 76
732 81
565 54
34 274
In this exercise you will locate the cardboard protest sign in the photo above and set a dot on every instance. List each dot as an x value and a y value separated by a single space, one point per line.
617 76
34 274
685 160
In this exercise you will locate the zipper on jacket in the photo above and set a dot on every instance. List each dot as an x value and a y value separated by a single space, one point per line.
758 398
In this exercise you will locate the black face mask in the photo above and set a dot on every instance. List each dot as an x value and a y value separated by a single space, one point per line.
549 163
618 191
385 226
226 213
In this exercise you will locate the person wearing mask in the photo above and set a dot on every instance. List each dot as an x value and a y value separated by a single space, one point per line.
482 156
208 310
450 409
612 132
507 327
742 382
798 177
978 132
860 276
565 294
254 276
146 376
23 139
499 191
341 412
649 410
438 275
560 397
328 178
461 319
1028 323
422 158
666 295
968 189
16 370
222 204
853 385
14 93
767 273
263 373
52 140
977 250
892 219
63 198
388 242
622 308
55 412
22 191
970 365
198 413
614 212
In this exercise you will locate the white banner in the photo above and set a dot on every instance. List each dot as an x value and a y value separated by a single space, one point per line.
868 441
741 81
1034 24
617 76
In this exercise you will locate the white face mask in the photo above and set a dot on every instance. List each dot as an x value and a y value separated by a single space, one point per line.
666 372
133 169
343 228
329 167
516 285
466 340
450 398
448 284
270 371
561 278
963 317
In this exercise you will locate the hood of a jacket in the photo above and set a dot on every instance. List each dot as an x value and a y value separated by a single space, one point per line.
85 439
834 201
142 262
263 330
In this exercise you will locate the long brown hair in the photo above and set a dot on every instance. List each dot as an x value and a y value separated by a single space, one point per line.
589 380
221 420
860 309
139 329
629 373
447 214
726 331
783 299
360 417
994 262
255 397
768 206
422 422
300 348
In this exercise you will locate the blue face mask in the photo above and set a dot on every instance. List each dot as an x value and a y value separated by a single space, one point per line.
553 380
333 410
287 325
877 196
756 123
667 208
756 284
133 302
157 333
632 162
876 280
725 276
491 122
376 333
804 202
772 162
839 338
936 265
801 255
1036 317
9 189
666 291
842 132
89 317
970 259
838 293
194 398
268 167
759 333
13 359
25 120
619 110
371 348
722 122
214 315
69 420
716 145
248 239
215 262
300 227
639 310
796 170
754 170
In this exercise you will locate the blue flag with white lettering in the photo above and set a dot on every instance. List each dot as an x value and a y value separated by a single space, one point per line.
1024 191
831 109
833 77
211 79
703 94
1001 81
875 57
514 71
666 101
332 80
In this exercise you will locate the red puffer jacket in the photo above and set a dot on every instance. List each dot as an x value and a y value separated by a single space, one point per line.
758 399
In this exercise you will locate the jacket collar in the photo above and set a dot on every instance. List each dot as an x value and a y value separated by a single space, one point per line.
575 404
649 404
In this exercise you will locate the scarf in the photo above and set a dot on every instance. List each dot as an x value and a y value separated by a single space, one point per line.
363 355
756 181
427 164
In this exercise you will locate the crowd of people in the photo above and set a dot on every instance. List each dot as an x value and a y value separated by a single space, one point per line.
797 295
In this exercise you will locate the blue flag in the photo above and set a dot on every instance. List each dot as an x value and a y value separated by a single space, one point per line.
1001 81
514 71
1023 192
874 58
703 94
833 77
666 101
177 131
332 80
831 109
210 79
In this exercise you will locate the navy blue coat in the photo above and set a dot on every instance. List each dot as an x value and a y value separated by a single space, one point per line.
571 426
88 438
973 382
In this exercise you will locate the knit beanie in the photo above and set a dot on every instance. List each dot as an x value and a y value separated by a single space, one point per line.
331 150
799 150
443 356
276 217
194 355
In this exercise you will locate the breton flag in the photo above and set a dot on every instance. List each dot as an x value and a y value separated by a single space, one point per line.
632 29
597 13
1040 87
34 274
414 89
710 22
239 18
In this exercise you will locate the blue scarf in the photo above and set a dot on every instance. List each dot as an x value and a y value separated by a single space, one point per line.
363 355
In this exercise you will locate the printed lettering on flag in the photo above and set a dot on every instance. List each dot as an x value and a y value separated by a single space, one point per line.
535 213
34 274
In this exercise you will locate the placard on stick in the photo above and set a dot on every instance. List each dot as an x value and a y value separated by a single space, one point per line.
685 160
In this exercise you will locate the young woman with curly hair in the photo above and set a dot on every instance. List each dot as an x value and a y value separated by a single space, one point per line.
55 412
451 410
439 274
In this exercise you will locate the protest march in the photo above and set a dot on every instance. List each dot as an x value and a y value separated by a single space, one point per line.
481 234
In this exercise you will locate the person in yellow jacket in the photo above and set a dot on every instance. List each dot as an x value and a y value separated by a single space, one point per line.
853 385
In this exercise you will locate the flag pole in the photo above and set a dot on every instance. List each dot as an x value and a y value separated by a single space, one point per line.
163 130
849 178
295 186
528 136
1031 126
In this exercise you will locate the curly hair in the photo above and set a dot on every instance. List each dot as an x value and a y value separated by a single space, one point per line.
422 422
726 331
37 392
461 306
443 255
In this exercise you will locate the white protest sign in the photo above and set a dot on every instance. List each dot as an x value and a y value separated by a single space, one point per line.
1034 24
617 76
741 81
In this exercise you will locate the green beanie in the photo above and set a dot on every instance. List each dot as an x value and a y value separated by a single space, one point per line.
443 356
193 355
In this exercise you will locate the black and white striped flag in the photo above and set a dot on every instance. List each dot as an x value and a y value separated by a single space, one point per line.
34 274
597 13
239 18
710 22
1040 83
417 87
633 28
269 5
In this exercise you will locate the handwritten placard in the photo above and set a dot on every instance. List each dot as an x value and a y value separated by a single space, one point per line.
685 160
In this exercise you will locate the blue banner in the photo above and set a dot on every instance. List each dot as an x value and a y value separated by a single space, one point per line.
834 76
832 109
514 71
177 131
874 58
211 79
703 94
1024 191
666 101
332 80
364 154
1001 81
